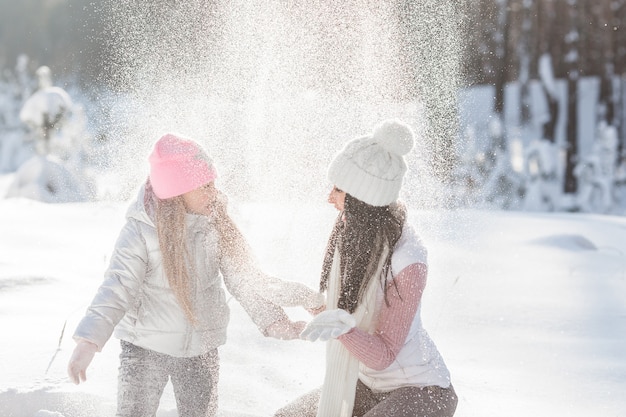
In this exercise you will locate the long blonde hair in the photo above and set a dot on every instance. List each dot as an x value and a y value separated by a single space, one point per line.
169 217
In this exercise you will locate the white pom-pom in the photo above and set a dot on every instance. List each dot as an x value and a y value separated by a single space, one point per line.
395 136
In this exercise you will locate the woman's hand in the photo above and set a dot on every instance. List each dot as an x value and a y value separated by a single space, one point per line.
285 329
327 325
80 360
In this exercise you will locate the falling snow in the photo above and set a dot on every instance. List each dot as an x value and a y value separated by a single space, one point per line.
527 309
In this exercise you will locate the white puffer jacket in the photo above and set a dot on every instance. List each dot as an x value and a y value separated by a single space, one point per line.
136 300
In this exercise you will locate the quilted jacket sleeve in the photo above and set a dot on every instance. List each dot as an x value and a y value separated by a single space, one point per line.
245 282
118 291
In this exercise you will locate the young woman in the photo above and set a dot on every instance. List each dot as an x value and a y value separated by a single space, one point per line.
162 293
380 362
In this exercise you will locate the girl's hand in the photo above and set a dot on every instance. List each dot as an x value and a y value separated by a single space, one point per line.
285 329
80 360
316 311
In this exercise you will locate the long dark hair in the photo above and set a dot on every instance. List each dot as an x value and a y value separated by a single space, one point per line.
361 232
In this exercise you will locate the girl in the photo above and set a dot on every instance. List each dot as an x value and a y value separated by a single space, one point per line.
380 362
162 293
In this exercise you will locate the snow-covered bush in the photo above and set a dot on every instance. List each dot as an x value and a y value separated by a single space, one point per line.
44 140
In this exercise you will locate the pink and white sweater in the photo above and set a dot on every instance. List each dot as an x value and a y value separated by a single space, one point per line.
400 352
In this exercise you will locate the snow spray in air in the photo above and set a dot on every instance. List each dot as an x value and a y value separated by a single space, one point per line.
275 88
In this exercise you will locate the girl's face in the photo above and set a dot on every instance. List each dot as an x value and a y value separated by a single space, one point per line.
201 200
337 198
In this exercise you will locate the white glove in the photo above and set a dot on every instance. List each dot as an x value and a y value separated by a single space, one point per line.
328 324
80 360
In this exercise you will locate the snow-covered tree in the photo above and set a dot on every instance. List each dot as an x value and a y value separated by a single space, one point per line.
542 191
45 113
55 170
572 60
596 173
15 87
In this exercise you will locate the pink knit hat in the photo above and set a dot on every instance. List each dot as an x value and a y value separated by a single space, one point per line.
179 165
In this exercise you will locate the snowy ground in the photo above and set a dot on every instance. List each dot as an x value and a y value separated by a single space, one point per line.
529 310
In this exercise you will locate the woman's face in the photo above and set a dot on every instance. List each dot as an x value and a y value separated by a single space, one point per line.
201 200
337 198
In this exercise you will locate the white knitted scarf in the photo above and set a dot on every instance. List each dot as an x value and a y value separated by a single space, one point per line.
342 369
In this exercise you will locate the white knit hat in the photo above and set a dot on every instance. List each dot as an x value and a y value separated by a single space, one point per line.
371 168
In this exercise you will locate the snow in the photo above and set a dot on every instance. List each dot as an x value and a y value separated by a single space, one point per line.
48 179
528 309
45 105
